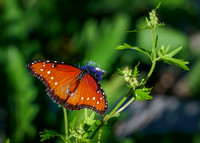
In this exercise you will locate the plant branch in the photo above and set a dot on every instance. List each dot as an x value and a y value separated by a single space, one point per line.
100 134
120 103
66 123
124 107
111 114
100 126
86 114
153 60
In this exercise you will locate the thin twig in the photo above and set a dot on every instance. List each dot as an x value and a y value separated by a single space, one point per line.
123 107
100 134
66 123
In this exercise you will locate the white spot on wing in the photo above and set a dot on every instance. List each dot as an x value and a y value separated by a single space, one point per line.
52 77
67 91
41 69
43 65
56 83
93 98
81 98
97 102
47 61
48 72
88 98
101 98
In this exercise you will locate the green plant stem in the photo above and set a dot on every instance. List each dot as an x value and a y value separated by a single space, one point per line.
86 114
153 60
123 107
66 123
116 110
100 134
120 103
111 114
100 126
149 74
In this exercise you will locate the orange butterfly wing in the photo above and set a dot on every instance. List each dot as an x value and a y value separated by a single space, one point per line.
59 77
56 77
89 94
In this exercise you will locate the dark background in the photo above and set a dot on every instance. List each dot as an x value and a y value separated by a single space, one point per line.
77 31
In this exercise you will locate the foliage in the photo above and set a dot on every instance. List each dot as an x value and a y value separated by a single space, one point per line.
98 38
81 133
48 134
84 129
8 141
87 128
168 57
24 109
142 94
66 31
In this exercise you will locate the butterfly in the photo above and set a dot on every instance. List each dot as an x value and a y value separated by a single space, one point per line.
72 87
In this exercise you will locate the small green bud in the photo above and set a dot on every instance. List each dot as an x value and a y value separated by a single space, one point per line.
153 22
130 77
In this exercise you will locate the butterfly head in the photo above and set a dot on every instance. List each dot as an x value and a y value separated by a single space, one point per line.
97 72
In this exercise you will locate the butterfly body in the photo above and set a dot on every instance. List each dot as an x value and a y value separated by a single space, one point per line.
70 86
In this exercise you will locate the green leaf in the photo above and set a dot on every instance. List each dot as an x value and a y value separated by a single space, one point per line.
157 7
47 134
85 129
8 140
139 27
156 41
171 54
90 119
179 62
143 94
135 72
168 58
124 46
73 122
127 46
24 111
93 128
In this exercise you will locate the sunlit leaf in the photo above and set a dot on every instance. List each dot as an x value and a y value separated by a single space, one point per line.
48 134
73 122
90 120
24 94
143 94
179 62
126 46
8 140
136 71
168 57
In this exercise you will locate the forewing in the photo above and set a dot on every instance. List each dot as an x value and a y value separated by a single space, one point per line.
56 77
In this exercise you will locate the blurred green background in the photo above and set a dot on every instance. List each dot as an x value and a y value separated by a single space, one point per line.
76 31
